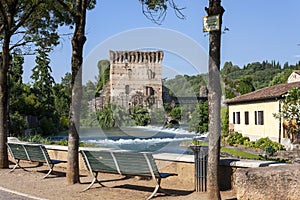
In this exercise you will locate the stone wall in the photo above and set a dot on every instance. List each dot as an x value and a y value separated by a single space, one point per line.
292 155
136 75
249 177
278 182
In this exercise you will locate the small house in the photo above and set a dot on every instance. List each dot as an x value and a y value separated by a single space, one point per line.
252 114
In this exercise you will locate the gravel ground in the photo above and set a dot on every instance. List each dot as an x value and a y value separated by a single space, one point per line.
117 187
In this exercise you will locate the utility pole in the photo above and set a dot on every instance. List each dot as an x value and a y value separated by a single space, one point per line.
214 20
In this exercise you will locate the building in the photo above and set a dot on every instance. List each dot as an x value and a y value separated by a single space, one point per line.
135 78
252 114
294 77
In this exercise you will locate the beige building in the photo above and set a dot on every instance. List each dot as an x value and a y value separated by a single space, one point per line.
294 77
252 114
135 78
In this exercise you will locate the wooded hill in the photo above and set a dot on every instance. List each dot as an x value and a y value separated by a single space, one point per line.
236 80
254 76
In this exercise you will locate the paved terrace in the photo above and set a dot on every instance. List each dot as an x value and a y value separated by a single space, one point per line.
30 185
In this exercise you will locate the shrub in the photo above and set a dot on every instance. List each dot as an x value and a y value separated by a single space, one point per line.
36 138
158 116
235 139
47 126
265 144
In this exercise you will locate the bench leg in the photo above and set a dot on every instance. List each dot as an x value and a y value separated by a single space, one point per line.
17 165
93 181
49 172
157 187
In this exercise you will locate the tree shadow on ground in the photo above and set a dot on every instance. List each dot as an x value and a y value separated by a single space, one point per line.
108 180
169 192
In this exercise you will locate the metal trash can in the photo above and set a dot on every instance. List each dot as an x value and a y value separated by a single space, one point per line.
201 155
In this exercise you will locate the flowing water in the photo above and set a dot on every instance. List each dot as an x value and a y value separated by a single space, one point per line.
141 139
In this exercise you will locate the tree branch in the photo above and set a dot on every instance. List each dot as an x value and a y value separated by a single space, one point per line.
66 7
26 16
4 17
157 11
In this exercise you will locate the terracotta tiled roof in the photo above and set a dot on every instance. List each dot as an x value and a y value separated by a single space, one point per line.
271 92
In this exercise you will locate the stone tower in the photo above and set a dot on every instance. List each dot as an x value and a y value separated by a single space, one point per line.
135 78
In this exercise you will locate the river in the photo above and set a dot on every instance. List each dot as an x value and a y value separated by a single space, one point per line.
141 139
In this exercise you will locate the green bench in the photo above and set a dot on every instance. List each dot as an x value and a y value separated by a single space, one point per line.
124 163
32 153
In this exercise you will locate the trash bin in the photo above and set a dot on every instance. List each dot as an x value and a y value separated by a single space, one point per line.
201 153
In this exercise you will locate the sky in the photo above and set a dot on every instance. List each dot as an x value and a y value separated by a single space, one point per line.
258 30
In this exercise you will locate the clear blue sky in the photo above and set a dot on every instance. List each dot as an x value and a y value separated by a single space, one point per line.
259 30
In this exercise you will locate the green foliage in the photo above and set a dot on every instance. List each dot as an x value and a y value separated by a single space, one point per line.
229 68
290 112
225 119
235 139
167 107
36 138
43 83
105 117
64 122
281 77
239 153
158 116
47 126
103 78
140 116
199 120
229 93
17 125
62 100
240 86
87 115
121 116
264 144
175 113
156 10
245 85
65 143
185 86
268 145
113 115
261 75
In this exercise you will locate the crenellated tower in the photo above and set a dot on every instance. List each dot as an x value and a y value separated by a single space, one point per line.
135 77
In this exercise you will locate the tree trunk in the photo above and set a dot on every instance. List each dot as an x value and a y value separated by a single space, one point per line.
5 57
214 99
78 41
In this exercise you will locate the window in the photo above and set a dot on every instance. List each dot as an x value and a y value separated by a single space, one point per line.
233 117
259 117
149 91
246 117
126 89
236 118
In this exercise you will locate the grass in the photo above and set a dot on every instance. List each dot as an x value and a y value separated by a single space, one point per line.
239 153
231 151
